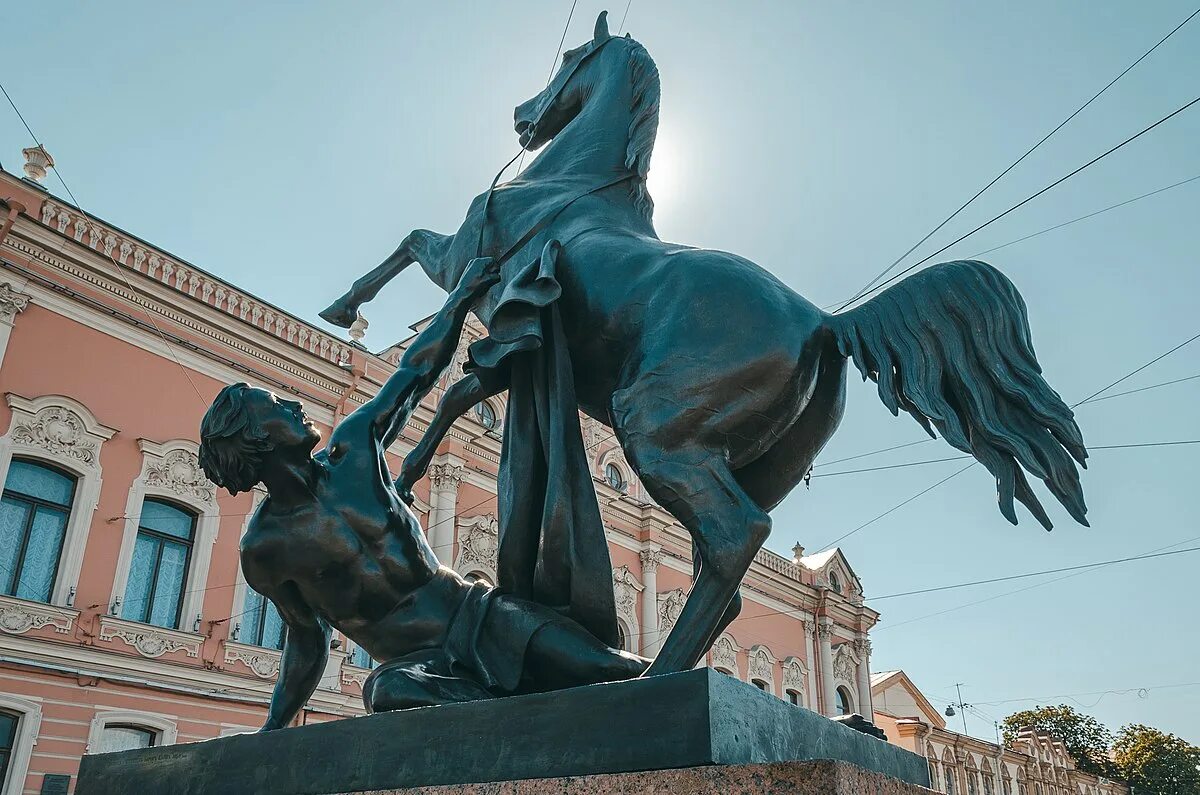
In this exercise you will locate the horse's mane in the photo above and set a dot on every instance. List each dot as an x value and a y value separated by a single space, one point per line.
644 123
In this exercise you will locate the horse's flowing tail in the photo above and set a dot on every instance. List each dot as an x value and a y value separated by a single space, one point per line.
951 346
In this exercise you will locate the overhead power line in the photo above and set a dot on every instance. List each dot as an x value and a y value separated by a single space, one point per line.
1027 575
1015 163
928 461
1084 217
1006 594
1024 201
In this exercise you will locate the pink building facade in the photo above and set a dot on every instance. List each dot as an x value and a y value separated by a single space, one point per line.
124 618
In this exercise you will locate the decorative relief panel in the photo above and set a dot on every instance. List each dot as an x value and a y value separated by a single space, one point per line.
625 591
478 543
670 605
354 675
18 617
150 641
263 662
793 675
845 662
60 432
762 664
724 654
179 471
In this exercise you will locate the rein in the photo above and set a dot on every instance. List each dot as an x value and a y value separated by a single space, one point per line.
549 218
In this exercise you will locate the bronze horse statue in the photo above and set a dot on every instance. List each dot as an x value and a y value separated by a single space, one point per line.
720 382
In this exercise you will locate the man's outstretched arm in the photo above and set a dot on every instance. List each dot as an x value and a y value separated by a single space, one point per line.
427 357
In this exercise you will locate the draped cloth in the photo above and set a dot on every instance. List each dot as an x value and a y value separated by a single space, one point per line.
552 548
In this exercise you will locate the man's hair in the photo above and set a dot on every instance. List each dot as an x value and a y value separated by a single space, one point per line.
231 443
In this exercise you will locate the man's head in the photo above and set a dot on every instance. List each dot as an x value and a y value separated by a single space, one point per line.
244 428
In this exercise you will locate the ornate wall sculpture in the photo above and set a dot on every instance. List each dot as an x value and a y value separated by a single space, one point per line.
478 542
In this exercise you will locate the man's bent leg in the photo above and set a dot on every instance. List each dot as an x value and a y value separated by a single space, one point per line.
562 654
417 681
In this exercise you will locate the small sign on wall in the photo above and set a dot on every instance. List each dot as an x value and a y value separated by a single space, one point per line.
55 784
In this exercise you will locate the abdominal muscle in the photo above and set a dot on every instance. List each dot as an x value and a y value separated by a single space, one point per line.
418 620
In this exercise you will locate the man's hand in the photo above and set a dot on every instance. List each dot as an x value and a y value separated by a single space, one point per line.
481 273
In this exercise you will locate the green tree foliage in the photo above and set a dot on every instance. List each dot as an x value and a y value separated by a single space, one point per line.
1087 739
1156 763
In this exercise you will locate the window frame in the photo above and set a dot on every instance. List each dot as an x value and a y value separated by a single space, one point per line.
256 632
35 503
166 729
198 497
29 720
479 413
163 539
842 693
82 460
623 482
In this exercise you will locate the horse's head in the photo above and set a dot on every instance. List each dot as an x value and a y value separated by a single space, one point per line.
616 71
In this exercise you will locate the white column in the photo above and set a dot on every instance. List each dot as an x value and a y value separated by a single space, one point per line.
865 706
651 556
11 303
813 696
443 498
825 634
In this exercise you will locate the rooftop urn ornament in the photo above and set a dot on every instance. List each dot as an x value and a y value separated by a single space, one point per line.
358 330
721 384
37 161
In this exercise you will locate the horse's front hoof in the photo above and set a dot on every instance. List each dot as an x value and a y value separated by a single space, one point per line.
339 314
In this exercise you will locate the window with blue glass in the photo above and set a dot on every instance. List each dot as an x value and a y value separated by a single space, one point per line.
8 738
361 658
33 521
158 572
261 623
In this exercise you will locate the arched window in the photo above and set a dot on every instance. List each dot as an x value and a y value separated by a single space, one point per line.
161 553
835 582
972 782
761 685
622 638
126 737
933 774
361 658
845 703
33 521
485 415
615 477
261 623
794 697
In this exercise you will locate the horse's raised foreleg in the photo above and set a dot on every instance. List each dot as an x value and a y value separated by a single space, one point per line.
420 245
458 400
727 527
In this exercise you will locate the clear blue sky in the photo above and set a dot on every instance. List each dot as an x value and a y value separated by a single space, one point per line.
289 147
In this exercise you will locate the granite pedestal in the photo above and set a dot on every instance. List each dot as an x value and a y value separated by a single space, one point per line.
693 719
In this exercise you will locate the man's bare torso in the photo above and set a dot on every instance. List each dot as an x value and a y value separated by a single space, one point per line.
364 566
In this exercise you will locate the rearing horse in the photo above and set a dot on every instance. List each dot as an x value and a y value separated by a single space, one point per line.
720 383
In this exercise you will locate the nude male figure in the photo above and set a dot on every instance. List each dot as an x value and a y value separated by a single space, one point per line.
333 546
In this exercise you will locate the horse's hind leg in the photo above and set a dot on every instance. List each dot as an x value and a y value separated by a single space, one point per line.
697 487
419 246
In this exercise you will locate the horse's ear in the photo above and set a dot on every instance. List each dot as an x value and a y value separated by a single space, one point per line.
601 34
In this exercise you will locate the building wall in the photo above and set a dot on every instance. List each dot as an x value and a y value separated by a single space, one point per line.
110 352
1033 764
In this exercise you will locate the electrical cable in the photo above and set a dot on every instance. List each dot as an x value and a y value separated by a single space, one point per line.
1015 163
1085 217
1023 202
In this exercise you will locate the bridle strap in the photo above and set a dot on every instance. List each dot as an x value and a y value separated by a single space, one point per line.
487 199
